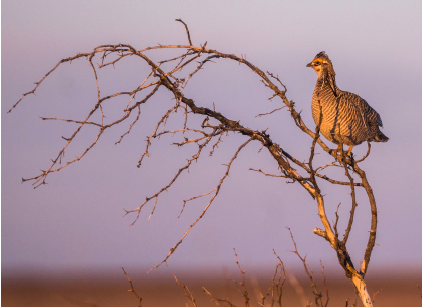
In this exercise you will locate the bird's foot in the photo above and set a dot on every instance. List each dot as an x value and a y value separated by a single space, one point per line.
339 154
336 152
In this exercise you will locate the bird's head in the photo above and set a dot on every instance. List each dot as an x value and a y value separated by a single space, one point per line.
321 63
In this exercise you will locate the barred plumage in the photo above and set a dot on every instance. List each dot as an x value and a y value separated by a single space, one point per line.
346 118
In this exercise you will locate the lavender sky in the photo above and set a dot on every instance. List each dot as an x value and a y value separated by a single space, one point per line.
76 220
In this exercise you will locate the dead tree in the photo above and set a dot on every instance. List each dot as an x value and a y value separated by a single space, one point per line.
166 74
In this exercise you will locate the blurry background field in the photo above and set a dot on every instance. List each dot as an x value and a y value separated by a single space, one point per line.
103 289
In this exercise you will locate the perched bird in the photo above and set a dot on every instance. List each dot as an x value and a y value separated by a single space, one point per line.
344 118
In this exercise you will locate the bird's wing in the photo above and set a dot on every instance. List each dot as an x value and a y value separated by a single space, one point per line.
373 118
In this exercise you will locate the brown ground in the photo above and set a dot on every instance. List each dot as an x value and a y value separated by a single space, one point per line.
112 290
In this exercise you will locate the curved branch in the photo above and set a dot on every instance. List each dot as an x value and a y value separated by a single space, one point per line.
283 158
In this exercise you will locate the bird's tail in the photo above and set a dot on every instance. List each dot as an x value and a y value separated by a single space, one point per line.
380 137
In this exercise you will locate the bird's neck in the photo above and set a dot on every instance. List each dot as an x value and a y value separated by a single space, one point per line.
326 79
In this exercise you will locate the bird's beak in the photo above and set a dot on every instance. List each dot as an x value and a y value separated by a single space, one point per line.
309 64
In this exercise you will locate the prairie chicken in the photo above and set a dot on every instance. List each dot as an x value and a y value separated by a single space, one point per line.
345 118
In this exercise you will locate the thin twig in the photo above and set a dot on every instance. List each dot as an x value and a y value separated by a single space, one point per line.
132 289
367 154
259 115
317 294
218 300
187 293
278 285
131 125
266 174
186 27
324 282
242 284
374 295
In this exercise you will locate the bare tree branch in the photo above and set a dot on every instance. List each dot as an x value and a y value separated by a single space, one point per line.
172 250
289 166
187 293
317 293
132 289
243 290
186 27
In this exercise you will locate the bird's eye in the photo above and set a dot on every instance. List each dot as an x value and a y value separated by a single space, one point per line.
317 63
